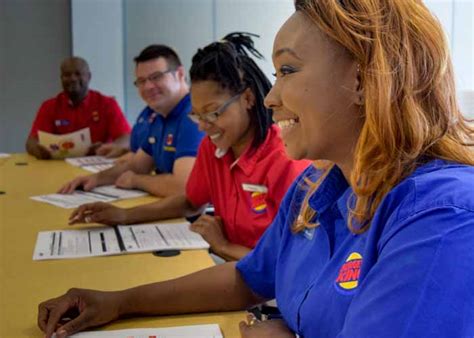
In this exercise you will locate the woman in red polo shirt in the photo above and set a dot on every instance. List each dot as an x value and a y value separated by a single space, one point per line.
241 167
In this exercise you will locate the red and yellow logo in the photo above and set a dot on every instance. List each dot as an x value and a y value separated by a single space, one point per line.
348 277
169 139
257 199
95 116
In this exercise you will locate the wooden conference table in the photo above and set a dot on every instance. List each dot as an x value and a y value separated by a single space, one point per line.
25 283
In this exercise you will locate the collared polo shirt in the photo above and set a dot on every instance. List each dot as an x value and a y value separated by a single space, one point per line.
100 113
141 128
245 192
172 137
410 275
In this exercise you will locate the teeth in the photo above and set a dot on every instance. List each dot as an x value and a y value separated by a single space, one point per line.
287 123
214 136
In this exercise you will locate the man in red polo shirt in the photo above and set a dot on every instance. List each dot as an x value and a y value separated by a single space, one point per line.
78 107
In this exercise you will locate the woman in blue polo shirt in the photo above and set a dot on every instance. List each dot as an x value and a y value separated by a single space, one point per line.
375 241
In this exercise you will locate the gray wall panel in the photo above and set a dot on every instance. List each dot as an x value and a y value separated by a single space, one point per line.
36 37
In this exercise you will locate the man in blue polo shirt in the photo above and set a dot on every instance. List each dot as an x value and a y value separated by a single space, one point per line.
164 138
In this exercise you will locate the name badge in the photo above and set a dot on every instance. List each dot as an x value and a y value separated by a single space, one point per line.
59 123
254 188
151 140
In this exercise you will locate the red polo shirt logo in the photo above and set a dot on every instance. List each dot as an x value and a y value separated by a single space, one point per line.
95 116
259 205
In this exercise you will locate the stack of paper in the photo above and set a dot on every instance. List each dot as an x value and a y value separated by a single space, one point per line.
193 331
106 193
93 164
122 239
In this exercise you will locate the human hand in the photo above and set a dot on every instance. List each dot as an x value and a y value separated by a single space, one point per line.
275 328
93 148
210 228
126 180
42 153
98 212
77 310
86 182
110 150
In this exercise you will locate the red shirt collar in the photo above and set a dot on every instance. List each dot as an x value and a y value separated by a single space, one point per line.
249 158
65 96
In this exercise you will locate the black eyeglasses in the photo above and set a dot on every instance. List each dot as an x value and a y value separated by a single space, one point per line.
154 78
213 116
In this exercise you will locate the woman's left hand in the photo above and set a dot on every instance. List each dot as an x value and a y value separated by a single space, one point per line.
210 228
275 328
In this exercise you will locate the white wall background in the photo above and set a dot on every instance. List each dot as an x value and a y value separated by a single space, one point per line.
35 35
457 18
97 36
187 25
182 24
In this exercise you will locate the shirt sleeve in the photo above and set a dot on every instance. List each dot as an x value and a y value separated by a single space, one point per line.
118 123
258 267
422 282
197 187
43 120
189 138
138 132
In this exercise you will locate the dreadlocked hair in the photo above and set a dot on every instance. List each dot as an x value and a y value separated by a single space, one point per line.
229 63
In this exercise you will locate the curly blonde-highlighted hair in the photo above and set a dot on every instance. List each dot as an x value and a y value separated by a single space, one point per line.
410 107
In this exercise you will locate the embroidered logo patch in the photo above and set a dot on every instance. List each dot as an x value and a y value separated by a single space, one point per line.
152 117
169 139
257 200
348 277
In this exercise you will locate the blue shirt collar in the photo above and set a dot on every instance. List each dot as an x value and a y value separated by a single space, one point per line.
332 189
183 107
335 189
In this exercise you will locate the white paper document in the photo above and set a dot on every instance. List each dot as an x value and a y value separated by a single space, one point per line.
192 331
93 164
4 155
123 239
76 243
89 160
97 168
106 193
160 236
66 145
118 193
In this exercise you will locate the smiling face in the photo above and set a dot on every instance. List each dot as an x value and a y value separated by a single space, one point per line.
161 93
315 95
75 78
232 128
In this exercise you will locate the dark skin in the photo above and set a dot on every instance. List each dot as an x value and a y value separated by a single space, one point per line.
75 78
316 87
235 132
